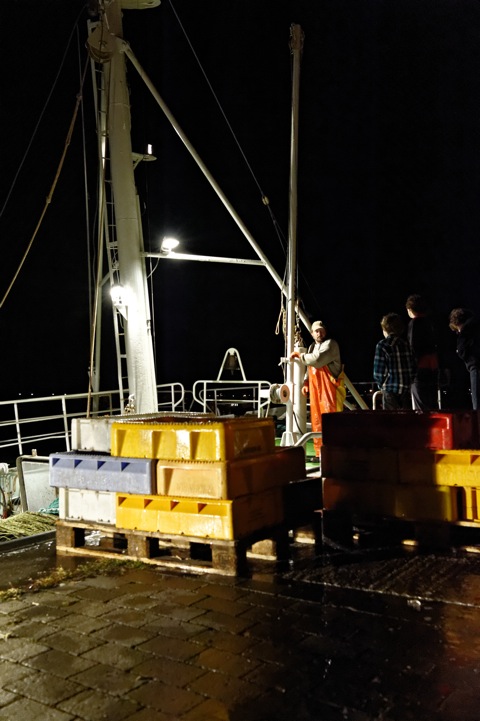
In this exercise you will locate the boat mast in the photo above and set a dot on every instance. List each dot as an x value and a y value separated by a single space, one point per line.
134 301
295 422
109 41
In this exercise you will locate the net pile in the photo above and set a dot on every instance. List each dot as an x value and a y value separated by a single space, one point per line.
25 524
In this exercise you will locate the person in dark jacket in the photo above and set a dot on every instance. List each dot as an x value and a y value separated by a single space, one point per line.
421 337
467 327
394 365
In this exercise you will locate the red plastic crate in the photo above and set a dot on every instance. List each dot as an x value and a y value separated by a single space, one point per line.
449 430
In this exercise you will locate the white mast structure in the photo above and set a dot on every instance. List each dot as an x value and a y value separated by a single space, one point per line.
132 295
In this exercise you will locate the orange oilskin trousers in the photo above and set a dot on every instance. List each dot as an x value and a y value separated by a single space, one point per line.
327 395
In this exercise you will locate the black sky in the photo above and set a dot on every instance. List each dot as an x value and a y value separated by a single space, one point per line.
389 176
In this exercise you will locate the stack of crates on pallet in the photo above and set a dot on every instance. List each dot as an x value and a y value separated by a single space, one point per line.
205 477
221 478
88 478
417 466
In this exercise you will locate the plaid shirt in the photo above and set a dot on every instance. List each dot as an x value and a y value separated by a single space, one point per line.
394 365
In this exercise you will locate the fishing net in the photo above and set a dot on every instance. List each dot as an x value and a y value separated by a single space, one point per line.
26 524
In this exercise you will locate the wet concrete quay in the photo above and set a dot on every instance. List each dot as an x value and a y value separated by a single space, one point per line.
361 634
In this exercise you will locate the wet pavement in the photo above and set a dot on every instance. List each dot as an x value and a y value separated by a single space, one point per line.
361 634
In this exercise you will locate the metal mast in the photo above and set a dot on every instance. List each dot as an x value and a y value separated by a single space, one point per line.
132 297
109 42
296 406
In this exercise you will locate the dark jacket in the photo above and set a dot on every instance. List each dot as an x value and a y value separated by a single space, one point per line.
421 336
468 344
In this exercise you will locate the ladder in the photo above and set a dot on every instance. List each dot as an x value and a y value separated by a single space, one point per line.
107 226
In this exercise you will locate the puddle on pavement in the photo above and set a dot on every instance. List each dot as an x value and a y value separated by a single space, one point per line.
30 562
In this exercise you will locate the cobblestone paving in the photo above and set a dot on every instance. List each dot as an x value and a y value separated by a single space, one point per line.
156 645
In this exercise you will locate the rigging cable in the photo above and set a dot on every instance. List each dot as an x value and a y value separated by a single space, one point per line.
60 166
264 197
40 117
265 200
280 236
52 189
85 181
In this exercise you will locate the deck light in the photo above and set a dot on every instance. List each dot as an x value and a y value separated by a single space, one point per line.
168 244
119 298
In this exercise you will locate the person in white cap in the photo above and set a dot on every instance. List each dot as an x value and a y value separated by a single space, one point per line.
324 378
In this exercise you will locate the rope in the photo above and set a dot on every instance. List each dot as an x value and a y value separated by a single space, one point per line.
52 189
40 117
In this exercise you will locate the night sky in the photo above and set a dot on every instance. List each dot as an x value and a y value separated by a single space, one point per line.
388 177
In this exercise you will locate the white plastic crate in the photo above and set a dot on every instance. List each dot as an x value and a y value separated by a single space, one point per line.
81 505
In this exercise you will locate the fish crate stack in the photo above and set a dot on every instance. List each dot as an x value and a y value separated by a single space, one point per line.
184 491
419 467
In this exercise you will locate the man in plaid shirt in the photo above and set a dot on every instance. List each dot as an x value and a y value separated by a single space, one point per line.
394 365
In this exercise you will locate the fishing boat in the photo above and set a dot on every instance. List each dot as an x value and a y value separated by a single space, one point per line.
33 428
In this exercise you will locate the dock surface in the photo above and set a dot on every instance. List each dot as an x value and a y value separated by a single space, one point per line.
364 635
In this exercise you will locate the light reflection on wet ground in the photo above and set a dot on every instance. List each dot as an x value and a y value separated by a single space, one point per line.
366 634
451 576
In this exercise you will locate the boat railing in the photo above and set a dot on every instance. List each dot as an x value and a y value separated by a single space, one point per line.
35 424
27 424
233 397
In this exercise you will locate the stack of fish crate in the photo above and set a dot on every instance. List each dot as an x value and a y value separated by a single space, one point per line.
198 485
421 467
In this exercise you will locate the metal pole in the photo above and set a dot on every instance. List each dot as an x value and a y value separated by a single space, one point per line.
138 336
294 405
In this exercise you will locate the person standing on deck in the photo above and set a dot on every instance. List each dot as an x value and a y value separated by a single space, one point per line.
394 365
467 327
324 378
421 337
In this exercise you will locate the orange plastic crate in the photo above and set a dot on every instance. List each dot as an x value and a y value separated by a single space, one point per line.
230 479
412 503
401 429
360 464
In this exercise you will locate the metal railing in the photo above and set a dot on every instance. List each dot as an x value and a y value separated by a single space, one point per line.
41 425
29 423
224 397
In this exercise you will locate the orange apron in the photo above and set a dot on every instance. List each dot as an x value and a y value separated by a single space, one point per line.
327 395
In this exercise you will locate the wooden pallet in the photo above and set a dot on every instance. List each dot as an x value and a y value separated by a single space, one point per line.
180 552
301 500
349 530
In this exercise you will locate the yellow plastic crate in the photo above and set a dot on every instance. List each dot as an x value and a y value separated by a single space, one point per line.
360 464
427 503
201 518
209 440
472 504
446 468
415 503
230 479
